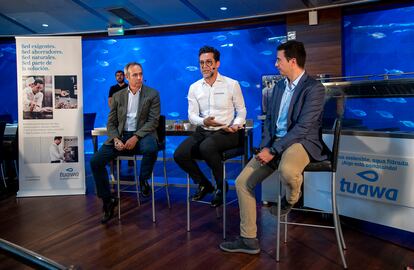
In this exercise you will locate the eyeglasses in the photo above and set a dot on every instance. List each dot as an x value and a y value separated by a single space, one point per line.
208 63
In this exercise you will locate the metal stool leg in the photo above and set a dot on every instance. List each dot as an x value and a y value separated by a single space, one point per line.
136 181
278 228
336 223
153 197
224 200
166 179
118 187
2 175
188 203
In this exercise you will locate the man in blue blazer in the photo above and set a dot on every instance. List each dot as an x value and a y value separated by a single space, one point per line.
291 139
132 123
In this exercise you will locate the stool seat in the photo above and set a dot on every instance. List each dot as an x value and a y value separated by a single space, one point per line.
319 166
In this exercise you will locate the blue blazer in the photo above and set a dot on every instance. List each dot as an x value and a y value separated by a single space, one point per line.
304 118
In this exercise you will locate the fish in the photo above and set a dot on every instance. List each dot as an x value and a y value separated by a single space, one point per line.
110 41
280 39
396 100
136 49
220 37
234 33
102 63
174 114
403 31
226 45
267 52
359 113
385 114
258 108
1 55
100 80
347 23
142 61
191 68
378 35
393 71
103 51
244 84
9 50
409 124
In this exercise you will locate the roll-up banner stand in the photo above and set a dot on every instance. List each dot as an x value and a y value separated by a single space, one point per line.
50 110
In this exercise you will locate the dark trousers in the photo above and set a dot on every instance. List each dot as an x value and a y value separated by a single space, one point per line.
147 147
209 146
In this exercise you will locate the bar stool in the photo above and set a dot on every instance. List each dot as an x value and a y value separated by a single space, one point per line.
329 165
241 151
161 147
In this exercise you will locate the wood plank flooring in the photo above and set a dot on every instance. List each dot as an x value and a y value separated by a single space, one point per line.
67 230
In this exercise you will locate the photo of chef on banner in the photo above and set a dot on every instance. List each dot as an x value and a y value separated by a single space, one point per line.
37 97
57 149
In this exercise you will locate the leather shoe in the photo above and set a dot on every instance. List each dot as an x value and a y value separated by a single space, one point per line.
109 208
145 189
202 191
217 198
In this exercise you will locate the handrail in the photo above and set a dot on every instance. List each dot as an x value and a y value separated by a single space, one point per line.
29 257
385 76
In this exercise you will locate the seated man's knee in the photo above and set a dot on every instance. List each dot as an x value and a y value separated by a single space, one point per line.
207 148
288 173
150 146
181 153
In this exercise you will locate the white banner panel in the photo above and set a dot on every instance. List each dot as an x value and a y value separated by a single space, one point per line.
50 110
374 181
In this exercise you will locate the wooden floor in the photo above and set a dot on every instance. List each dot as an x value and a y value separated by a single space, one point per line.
67 230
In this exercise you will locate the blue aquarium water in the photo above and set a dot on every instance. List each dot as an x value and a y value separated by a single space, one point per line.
380 42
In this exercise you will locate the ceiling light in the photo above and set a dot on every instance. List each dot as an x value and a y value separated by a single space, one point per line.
223 8
45 25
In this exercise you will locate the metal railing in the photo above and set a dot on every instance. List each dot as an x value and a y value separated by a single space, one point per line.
29 257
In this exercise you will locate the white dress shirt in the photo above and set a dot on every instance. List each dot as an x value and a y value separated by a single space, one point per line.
131 116
56 153
29 97
224 100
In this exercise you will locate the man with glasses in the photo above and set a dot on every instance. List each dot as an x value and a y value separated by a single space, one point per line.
291 139
132 123
216 107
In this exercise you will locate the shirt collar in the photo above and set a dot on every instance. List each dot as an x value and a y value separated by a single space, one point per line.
292 86
218 79
130 92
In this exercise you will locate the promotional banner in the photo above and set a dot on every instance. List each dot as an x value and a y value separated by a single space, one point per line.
50 110
374 181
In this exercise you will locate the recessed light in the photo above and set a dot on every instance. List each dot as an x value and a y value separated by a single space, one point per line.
45 25
223 8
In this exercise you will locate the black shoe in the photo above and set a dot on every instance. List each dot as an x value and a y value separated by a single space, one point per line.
145 189
202 191
109 208
218 197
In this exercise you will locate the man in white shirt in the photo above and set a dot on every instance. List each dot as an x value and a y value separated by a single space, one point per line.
57 153
216 107
33 97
